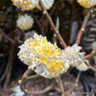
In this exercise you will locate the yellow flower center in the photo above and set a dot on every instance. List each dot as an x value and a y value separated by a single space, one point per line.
42 59
35 44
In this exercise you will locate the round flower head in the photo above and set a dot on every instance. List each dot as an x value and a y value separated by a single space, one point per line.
82 67
25 5
87 3
75 57
25 22
47 4
43 57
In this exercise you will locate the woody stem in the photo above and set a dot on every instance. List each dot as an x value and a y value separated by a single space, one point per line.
59 82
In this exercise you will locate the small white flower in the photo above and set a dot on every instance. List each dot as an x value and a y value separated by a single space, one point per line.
82 67
25 22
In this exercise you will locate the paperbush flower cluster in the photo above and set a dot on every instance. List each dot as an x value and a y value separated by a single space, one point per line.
44 58
26 5
25 22
87 3
47 60
75 57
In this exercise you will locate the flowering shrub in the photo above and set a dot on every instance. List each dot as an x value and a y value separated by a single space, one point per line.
39 54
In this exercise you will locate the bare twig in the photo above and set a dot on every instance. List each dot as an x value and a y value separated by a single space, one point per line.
76 81
25 78
92 68
41 27
59 82
57 89
89 56
6 36
62 42
25 75
4 74
52 11
44 21
39 92
32 77
38 23
10 63
80 33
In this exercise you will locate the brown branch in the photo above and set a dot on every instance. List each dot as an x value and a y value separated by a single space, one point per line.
42 25
92 68
80 33
22 81
31 77
89 56
76 81
6 36
39 92
62 42
9 65
27 72
57 89
4 74
25 78
38 23
60 84
52 11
